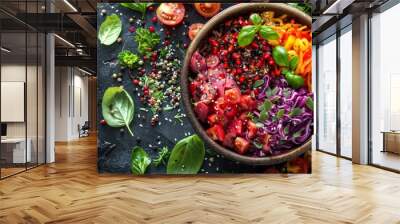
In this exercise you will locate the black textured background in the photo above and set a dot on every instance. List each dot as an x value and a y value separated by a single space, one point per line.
114 147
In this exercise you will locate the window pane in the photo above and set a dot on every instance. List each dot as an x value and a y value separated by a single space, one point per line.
327 96
346 93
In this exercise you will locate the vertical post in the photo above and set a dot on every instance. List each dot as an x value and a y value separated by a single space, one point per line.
50 93
360 90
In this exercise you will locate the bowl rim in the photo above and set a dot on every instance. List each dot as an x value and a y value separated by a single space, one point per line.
236 10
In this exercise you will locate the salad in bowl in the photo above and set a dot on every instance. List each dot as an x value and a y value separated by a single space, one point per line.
247 83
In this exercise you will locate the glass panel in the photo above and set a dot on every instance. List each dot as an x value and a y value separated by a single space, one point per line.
13 87
346 93
385 84
327 96
31 98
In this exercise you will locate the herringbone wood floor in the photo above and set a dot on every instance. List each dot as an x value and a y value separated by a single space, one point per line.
71 191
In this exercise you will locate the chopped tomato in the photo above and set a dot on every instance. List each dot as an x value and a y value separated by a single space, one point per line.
216 132
251 129
231 111
194 29
241 145
246 102
236 127
171 14
232 95
207 9
201 110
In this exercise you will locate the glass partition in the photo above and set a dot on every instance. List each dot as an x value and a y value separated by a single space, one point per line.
346 92
385 89
327 95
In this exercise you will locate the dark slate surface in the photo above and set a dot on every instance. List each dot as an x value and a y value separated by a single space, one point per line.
114 146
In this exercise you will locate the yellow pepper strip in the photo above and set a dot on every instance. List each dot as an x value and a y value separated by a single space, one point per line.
300 62
289 42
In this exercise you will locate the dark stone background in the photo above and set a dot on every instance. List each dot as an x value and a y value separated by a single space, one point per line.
114 146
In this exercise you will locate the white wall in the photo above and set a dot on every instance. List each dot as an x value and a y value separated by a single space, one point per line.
71 102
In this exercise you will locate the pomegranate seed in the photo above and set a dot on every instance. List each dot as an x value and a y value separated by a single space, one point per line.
151 8
103 122
271 62
152 29
241 79
238 62
154 19
132 29
266 56
146 92
136 81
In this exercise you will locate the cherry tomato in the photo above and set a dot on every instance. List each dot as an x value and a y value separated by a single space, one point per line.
171 14
194 29
207 9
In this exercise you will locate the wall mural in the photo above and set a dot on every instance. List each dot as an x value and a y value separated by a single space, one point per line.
204 88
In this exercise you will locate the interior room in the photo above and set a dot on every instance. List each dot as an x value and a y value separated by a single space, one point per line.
51 116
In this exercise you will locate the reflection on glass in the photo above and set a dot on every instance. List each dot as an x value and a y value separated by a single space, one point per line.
385 84
327 96
346 93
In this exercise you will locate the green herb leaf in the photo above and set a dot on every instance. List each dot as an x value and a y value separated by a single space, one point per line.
280 56
146 40
187 156
140 160
267 105
268 33
128 59
118 108
246 35
280 113
295 112
110 29
294 81
256 19
297 134
258 83
310 103
286 130
293 63
163 155
263 115
138 7
258 145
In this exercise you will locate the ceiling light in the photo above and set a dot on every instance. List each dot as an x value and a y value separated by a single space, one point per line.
70 5
5 50
84 71
64 40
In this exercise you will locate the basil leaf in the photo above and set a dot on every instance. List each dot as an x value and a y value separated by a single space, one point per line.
268 33
295 112
246 35
110 29
187 156
310 103
295 81
280 56
138 7
280 113
118 108
258 83
255 19
293 63
140 160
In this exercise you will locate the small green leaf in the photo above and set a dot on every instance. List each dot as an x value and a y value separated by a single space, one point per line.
255 19
258 83
293 63
297 134
280 56
118 108
187 156
163 155
140 160
110 29
268 33
310 103
280 113
267 105
295 112
286 130
258 145
263 115
246 35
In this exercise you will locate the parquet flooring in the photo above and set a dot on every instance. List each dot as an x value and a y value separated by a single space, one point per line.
71 191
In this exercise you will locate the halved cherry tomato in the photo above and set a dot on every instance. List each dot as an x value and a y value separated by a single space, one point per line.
207 9
194 29
171 14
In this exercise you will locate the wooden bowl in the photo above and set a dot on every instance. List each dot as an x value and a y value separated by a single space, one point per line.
235 11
